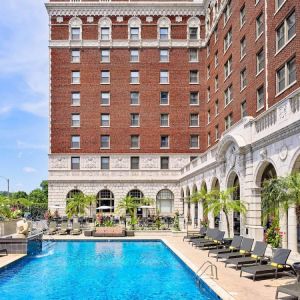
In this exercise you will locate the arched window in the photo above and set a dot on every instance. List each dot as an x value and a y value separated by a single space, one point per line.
165 201
105 29
72 193
163 28
106 198
134 28
136 194
75 29
193 28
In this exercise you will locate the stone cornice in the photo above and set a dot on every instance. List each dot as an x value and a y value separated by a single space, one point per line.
125 9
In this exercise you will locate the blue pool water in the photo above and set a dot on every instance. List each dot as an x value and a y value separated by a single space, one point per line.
102 270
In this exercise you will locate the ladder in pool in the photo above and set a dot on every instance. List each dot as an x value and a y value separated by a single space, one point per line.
204 267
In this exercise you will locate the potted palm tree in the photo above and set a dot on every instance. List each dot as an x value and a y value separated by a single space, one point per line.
76 206
202 196
221 201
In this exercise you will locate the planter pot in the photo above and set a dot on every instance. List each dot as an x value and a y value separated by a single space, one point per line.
129 232
8 227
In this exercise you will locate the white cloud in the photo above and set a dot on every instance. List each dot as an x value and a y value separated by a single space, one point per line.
29 170
5 109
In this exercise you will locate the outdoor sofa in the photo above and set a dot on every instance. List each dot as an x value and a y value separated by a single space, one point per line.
115 231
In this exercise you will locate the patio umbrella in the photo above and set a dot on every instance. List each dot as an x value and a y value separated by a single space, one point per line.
105 207
147 207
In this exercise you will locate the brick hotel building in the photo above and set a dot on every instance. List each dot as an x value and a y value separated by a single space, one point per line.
162 98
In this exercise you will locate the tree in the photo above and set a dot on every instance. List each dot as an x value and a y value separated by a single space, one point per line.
76 205
221 201
19 194
37 196
293 188
44 187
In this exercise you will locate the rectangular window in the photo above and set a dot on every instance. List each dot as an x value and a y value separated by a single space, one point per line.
164 77
134 77
243 47
194 76
105 36
194 98
216 107
281 79
216 83
208 139
75 98
259 25
75 142
134 55
208 72
163 33
193 33
227 40
216 33
134 163
286 31
105 120
134 98
260 61
242 16
194 120
164 55
75 56
217 133
134 120
243 79
75 33
279 3
104 162
164 120
228 121
291 26
227 12
216 59
105 141
75 77
75 163
244 109
105 77
208 94
260 98
164 141
105 98
194 141
75 120
291 71
105 55
228 68
228 95
280 36
134 141
286 75
193 55
164 162
164 98
208 117
134 33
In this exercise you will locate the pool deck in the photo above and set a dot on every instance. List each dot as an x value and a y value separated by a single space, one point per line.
8 259
229 285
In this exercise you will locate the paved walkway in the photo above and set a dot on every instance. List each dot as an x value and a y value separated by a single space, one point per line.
8 259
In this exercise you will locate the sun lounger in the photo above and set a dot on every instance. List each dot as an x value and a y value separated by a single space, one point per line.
76 229
277 264
245 250
217 240
289 289
63 228
3 252
257 255
210 233
235 246
199 234
52 228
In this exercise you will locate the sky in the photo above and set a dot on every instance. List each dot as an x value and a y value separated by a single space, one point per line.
24 93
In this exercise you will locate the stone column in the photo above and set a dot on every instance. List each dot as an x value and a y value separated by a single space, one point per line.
193 214
185 213
292 229
283 222
200 213
211 220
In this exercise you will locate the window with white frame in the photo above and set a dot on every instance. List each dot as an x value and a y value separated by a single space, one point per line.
216 59
243 78
194 141
208 49
75 98
164 120
194 120
286 75
243 47
208 116
134 163
278 4
134 55
208 72
105 55
164 141
228 121
244 109
228 67
193 33
75 33
260 61
217 133
134 33
208 139
105 33
242 16
75 77
105 120
216 33
216 107
193 55
164 77
105 98
164 55
286 31
75 142
163 28
227 12
75 120
134 141
194 76
105 141
134 77
104 162
105 77
75 56
75 163
208 94
260 96
228 40
134 120
164 33
194 98
164 163
75 29
216 83
259 25
164 98
134 98
228 95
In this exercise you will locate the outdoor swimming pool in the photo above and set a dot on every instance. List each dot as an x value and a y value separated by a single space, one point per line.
102 270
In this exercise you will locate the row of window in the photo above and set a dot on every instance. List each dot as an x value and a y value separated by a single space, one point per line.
135 77
164 55
135 141
135 120
164 98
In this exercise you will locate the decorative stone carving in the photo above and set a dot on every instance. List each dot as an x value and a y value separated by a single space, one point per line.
134 22
283 153
75 22
193 22
149 19
90 163
120 19
90 19
119 163
149 163
263 153
178 19
282 112
164 22
105 22
59 19
59 162
230 157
